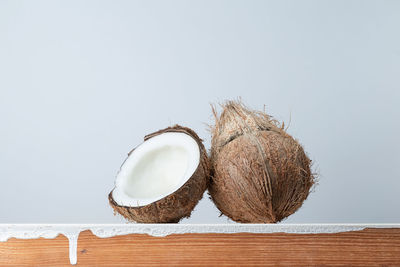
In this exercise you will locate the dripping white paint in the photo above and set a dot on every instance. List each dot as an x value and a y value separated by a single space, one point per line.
72 231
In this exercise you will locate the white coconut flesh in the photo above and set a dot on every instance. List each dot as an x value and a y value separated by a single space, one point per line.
156 168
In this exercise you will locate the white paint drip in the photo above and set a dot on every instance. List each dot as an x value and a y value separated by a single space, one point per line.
72 231
73 247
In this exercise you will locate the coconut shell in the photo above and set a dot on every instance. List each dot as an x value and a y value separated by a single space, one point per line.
260 174
179 204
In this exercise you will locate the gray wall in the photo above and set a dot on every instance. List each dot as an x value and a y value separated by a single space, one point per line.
81 82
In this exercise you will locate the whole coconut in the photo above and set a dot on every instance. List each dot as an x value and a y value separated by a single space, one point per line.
260 174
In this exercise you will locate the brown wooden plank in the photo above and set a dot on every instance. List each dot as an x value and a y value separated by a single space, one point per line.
370 247
35 252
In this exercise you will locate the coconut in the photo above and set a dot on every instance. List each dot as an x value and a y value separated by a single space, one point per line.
260 174
162 179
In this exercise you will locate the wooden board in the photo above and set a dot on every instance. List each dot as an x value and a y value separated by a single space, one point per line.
369 247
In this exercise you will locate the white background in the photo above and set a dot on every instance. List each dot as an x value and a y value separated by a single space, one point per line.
81 83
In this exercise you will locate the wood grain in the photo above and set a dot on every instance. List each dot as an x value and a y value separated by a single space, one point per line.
370 247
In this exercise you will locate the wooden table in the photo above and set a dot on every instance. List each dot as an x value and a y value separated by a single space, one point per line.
201 245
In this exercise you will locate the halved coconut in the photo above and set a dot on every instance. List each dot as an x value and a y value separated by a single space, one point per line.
162 179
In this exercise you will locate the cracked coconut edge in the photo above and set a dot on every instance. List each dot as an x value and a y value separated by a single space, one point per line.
72 231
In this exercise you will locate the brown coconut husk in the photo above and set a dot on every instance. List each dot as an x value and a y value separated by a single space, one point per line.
260 174
179 204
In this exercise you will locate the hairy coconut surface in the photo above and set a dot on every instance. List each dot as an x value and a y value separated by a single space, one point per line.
178 204
260 174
